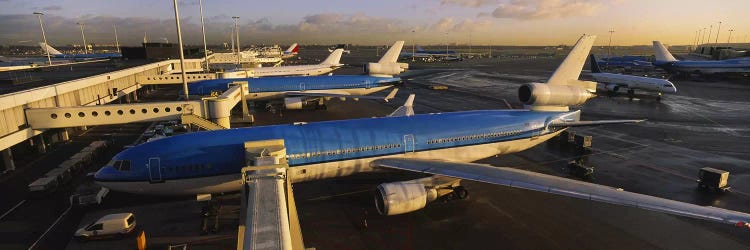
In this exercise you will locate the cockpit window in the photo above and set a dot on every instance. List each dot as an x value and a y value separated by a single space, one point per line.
122 165
667 85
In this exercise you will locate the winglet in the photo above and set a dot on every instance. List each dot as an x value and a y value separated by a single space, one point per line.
661 53
391 95
391 56
334 58
407 109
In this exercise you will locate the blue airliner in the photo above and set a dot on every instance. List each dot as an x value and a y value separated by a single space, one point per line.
295 91
437 144
665 60
628 62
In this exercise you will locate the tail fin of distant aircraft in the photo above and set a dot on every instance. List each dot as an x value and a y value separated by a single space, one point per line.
661 53
594 64
46 47
292 49
391 56
563 89
334 58
419 48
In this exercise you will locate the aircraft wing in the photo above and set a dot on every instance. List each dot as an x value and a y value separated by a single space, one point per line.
342 94
561 186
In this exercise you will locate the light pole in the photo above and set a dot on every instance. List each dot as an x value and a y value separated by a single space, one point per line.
695 40
710 30
469 42
203 28
446 46
730 36
182 54
413 44
85 48
117 42
703 36
236 27
609 47
46 46
717 33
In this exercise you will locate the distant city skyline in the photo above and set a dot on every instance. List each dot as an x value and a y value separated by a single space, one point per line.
481 22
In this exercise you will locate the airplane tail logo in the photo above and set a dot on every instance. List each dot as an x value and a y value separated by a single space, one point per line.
594 65
46 48
661 53
334 58
292 49
391 56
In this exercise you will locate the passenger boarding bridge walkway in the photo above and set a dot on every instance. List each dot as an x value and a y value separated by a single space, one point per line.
217 109
268 212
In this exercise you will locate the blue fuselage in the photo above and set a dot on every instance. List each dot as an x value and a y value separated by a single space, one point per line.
724 66
221 152
293 83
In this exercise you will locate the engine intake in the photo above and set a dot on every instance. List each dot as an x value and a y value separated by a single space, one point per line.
552 95
385 69
402 197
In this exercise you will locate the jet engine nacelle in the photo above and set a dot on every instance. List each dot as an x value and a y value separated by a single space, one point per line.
553 95
293 103
612 87
385 69
402 197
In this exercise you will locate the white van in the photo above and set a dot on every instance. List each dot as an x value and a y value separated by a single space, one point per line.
109 225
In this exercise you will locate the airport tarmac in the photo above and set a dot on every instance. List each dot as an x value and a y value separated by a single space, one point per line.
702 125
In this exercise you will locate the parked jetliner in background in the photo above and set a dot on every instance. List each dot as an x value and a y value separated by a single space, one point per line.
430 55
57 54
329 64
437 144
299 91
612 83
625 62
665 60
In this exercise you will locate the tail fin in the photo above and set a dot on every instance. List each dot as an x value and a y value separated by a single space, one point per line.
292 49
46 48
594 64
661 53
419 48
570 69
334 58
391 56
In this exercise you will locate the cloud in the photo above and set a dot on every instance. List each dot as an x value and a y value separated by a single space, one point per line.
468 3
546 9
52 7
450 24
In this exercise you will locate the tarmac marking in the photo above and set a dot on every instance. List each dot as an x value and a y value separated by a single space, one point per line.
443 76
337 195
11 209
53 224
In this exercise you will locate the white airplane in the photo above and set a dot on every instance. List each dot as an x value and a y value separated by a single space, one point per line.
612 83
292 51
438 144
329 64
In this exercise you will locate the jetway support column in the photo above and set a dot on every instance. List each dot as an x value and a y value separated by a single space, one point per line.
8 160
64 135
41 146
135 95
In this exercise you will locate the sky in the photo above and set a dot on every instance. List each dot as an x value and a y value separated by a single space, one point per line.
480 22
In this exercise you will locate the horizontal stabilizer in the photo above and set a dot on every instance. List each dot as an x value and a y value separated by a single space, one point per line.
523 179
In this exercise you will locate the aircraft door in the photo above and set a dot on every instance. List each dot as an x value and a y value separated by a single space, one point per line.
154 170
301 86
409 143
368 84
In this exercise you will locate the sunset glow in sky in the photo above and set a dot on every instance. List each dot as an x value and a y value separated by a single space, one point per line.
496 22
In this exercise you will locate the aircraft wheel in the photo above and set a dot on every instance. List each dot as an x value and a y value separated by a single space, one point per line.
461 193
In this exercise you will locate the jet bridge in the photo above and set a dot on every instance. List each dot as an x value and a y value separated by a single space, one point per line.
269 212
216 109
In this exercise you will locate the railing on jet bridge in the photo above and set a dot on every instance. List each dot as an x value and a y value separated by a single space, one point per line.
266 188
173 79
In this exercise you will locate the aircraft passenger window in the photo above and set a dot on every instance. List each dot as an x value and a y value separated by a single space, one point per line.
125 166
